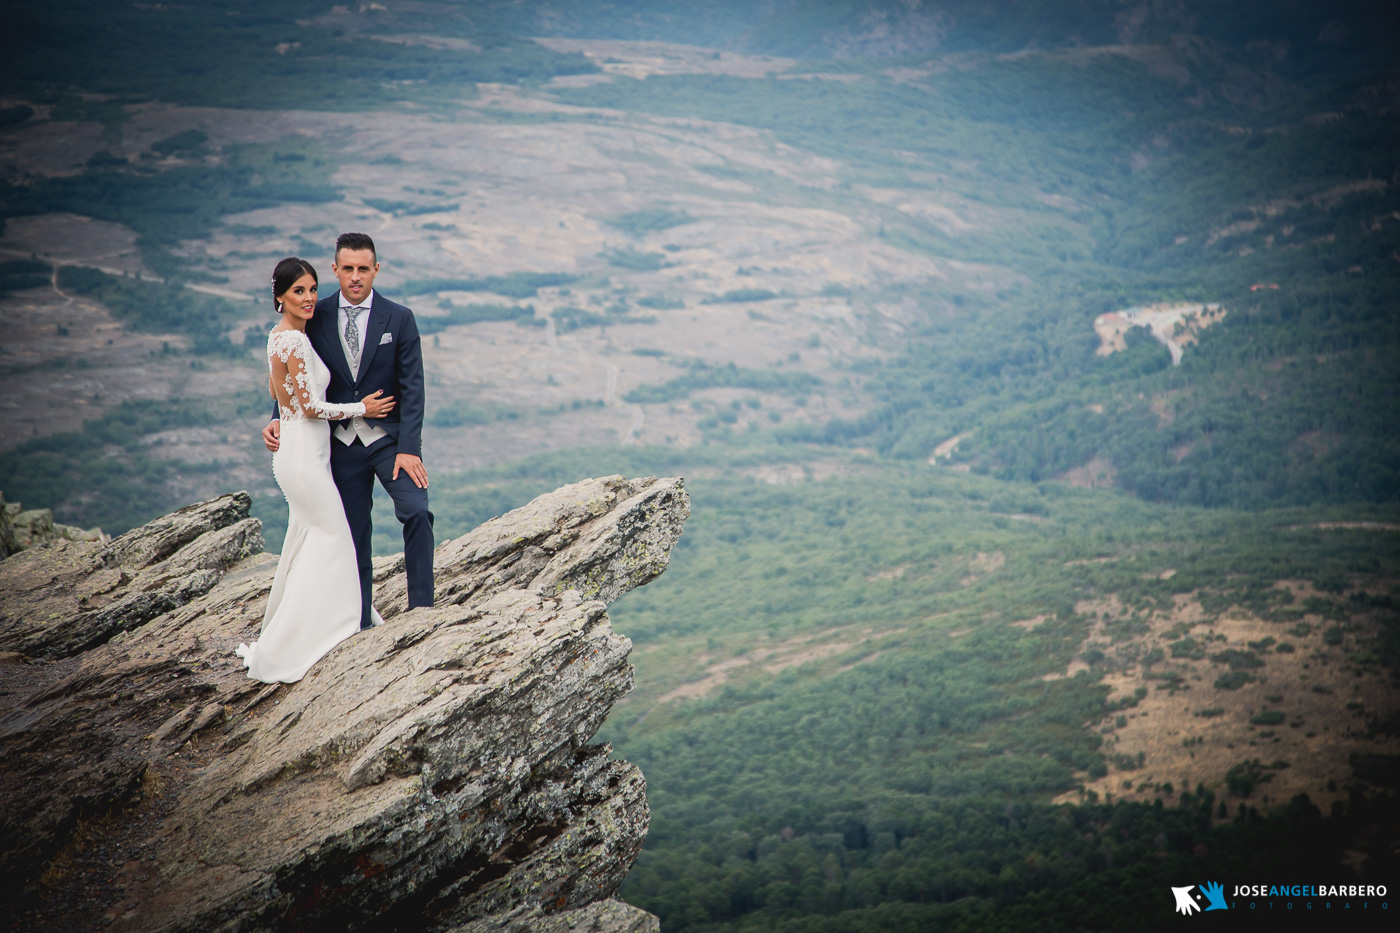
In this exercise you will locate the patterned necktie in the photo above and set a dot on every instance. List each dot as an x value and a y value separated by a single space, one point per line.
352 335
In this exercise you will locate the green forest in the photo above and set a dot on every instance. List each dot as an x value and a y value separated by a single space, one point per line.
897 715
905 780
919 776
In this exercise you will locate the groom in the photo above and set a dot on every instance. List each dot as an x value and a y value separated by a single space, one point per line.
370 343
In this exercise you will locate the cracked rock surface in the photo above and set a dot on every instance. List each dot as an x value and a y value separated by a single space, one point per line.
435 773
58 601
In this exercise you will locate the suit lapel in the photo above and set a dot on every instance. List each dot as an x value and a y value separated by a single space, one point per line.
332 354
378 323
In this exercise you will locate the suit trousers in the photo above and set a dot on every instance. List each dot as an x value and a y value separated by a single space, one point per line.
355 467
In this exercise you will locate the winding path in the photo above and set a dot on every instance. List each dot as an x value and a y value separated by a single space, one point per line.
123 273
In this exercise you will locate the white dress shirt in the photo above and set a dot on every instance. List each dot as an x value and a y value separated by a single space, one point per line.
347 431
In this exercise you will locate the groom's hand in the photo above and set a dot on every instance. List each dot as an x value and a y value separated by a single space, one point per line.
413 467
272 435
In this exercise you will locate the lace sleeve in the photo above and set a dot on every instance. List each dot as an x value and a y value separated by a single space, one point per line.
288 357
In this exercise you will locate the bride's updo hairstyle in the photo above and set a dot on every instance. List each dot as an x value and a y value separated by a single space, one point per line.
285 275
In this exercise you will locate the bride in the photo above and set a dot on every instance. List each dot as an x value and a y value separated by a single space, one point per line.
315 598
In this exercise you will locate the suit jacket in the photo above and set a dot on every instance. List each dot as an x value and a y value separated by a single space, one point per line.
394 365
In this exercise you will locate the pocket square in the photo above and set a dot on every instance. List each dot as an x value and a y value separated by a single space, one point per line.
387 338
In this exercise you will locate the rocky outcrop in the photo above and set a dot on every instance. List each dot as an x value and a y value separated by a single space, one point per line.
435 773
608 916
21 529
63 599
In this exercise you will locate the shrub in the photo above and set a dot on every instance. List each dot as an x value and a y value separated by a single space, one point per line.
1233 680
636 261
661 303
638 223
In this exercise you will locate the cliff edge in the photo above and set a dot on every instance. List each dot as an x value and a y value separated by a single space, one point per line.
435 773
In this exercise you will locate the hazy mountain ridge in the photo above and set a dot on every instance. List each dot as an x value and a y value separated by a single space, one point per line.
896 251
1295 36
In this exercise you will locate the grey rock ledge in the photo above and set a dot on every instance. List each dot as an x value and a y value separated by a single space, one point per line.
434 774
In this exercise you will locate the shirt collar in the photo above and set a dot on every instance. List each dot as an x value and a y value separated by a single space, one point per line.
345 302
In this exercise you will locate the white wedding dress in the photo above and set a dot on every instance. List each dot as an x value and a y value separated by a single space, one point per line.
315 600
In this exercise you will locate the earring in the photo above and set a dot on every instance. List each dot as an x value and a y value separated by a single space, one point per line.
279 307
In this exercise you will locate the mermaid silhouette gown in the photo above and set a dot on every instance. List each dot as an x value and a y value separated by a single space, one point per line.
315 600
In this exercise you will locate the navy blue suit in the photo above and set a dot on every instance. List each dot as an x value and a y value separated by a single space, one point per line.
395 366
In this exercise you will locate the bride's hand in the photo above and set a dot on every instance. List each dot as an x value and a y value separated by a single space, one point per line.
377 407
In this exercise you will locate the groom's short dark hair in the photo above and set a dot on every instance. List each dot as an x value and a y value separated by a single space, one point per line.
354 241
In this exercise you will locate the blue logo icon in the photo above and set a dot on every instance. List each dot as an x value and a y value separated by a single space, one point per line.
1214 894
